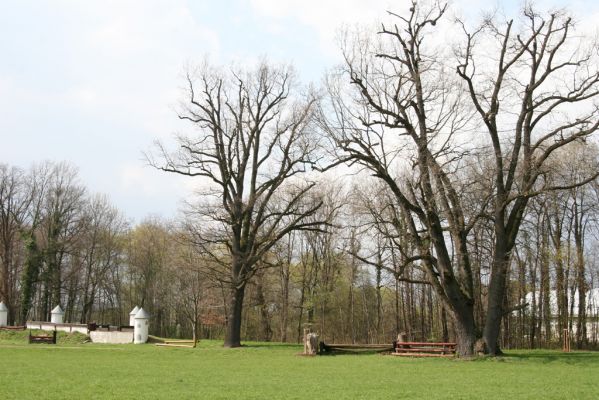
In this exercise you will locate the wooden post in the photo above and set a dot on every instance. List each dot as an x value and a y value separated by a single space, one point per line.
566 345
402 337
307 331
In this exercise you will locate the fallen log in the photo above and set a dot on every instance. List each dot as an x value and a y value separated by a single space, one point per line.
189 346
354 348
12 328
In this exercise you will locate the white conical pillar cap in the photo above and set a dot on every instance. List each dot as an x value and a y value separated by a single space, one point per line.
3 307
57 315
134 311
57 310
142 314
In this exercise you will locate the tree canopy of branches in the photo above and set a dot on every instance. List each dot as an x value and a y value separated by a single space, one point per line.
539 97
252 140
533 93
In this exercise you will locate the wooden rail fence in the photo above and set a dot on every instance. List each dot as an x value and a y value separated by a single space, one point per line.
46 339
325 348
424 349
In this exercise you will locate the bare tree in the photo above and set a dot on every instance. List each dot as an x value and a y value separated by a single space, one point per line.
104 229
37 186
404 108
252 140
535 90
14 204
401 109
190 284
62 211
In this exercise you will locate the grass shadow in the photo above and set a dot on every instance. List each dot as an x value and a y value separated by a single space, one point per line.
545 356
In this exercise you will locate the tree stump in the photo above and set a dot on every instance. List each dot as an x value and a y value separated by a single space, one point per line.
311 344
402 337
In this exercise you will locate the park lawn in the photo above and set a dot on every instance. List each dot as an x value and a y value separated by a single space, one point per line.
274 371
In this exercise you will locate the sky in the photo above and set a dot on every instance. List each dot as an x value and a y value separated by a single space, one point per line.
94 83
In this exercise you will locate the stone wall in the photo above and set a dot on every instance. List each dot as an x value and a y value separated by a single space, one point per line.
115 337
49 326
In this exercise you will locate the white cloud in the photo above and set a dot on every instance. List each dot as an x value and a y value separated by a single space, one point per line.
137 179
96 82
325 16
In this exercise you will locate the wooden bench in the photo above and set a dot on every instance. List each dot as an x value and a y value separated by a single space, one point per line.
424 349
46 339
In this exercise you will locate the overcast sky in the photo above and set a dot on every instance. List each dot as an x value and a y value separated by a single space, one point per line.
95 82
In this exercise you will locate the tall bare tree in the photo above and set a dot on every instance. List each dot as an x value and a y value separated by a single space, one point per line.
535 90
401 105
103 230
62 213
14 204
405 108
252 140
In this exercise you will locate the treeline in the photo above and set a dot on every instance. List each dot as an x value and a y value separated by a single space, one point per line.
63 245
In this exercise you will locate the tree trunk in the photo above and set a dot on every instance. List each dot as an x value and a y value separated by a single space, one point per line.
265 329
5 286
545 292
465 331
444 329
581 323
351 313
33 261
379 304
496 294
284 274
233 333
284 301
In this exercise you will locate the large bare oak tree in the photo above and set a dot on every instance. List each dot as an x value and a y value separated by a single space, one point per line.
410 120
535 89
252 139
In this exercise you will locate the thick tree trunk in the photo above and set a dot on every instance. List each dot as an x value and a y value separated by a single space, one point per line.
581 283
30 275
495 298
233 333
463 320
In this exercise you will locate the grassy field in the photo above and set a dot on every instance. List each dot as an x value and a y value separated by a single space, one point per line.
274 371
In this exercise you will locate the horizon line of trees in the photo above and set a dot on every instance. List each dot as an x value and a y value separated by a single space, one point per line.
346 283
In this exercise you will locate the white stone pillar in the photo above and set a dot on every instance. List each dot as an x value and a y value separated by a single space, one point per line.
132 316
3 314
141 327
57 315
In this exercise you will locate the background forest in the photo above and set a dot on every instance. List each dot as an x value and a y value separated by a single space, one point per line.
61 244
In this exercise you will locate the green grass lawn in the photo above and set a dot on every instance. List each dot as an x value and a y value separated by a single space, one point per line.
274 371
